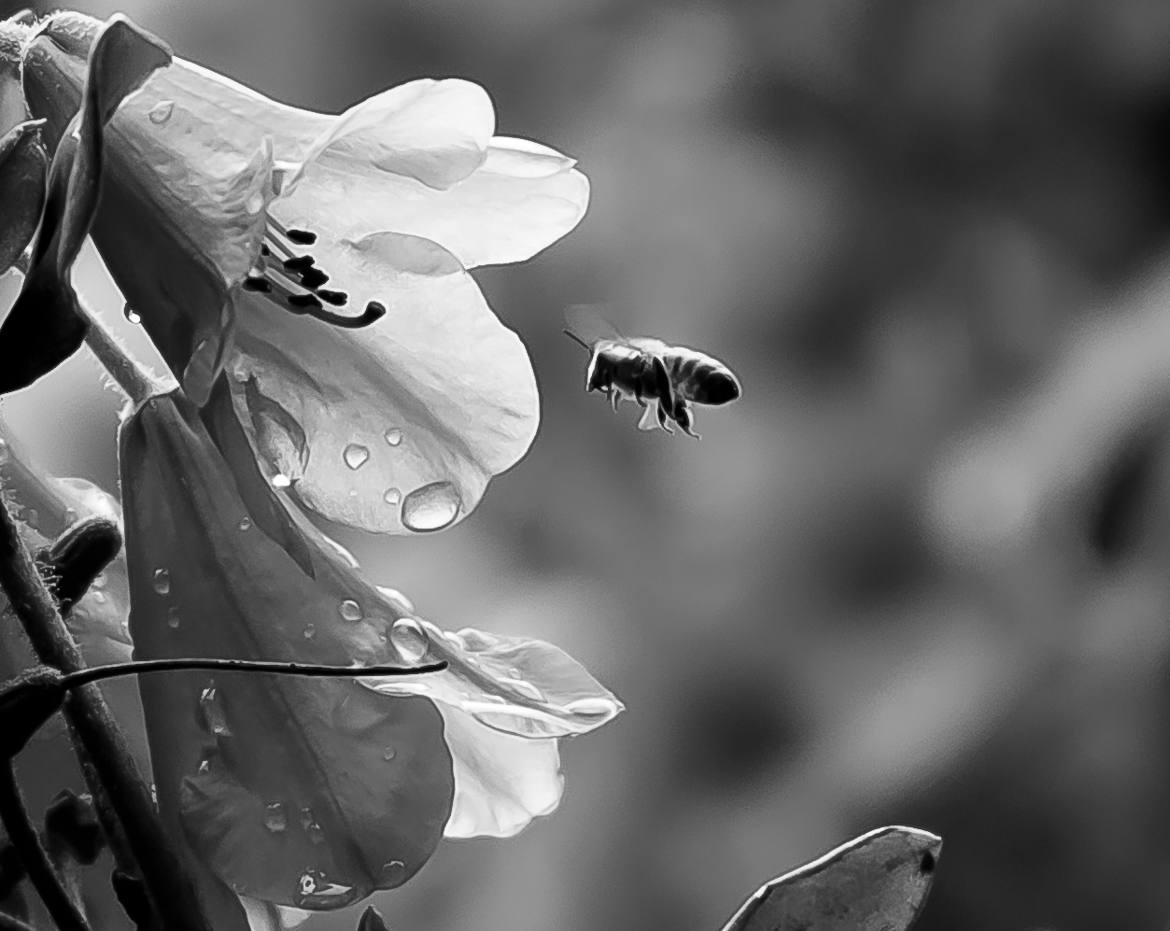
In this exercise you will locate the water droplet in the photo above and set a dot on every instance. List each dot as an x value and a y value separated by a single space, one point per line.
403 604
316 890
389 753
131 314
310 826
204 767
350 610
275 817
355 455
280 480
99 598
161 112
310 631
101 580
525 688
213 713
409 639
70 516
392 496
431 507
255 202
310 882
393 436
245 523
162 581
392 871
173 619
599 708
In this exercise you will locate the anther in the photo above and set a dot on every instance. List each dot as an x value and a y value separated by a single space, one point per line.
375 311
299 263
256 283
264 250
313 277
336 298
304 301
302 237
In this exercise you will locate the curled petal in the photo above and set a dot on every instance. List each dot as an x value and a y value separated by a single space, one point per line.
435 132
399 426
523 198
501 782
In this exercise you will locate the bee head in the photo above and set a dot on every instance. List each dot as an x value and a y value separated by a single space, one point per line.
598 377
720 387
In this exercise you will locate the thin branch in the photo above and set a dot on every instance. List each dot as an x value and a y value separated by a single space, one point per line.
10 923
39 868
171 890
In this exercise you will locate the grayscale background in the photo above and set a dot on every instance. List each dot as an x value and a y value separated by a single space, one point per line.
920 572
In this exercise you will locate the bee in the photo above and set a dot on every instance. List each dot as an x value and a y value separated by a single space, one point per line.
665 380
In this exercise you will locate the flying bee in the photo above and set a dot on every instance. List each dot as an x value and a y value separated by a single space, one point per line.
665 380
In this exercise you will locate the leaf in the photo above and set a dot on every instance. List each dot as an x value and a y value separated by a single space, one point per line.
876 882
372 920
308 793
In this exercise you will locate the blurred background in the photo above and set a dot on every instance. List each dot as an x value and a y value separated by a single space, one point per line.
920 573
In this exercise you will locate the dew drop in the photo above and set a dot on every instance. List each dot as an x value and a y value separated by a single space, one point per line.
101 580
255 202
173 619
392 496
409 639
350 610
162 581
310 631
393 436
70 516
355 455
275 817
131 314
392 870
309 882
431 507
245 523
389 753
99 598
598 708
311 826
213 713
204 767
161 112
280 480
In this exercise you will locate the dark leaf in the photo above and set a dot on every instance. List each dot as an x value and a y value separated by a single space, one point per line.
71 828
876 882
371 920
131 894
26 703
23 169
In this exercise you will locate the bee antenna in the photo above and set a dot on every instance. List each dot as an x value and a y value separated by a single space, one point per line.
577 339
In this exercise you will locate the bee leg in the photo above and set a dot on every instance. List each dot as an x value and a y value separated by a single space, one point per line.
615 398
648 422
684 416
662 384
663 422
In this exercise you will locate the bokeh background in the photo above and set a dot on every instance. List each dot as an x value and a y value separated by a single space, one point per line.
920 573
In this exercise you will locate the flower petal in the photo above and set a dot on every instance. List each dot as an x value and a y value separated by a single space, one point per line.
398 426
435 132
501 782
516 685
283 786
523 198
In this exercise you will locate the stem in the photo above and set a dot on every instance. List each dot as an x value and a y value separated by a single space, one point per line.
40 871
171 891
309 670
136 382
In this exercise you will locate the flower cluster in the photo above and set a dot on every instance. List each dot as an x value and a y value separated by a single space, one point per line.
305 277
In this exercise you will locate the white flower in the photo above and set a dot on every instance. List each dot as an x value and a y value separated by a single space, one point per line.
322 261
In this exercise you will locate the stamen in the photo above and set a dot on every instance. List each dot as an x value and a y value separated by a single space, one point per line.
305 301
313 277
336 298
378 310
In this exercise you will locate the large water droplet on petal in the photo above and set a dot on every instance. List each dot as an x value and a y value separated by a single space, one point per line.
162 581
310 882
131 314
392 496
350 610
409 639
355 455
389 753
393 436
280 480
275 817
310 631
392 871
173 619
213 713
245 523
161 112
431 507
311 826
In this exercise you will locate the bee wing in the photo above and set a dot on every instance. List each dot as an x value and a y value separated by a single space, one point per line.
585 324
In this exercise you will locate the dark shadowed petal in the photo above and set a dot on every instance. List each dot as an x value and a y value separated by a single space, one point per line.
44 327
309 793
23 165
